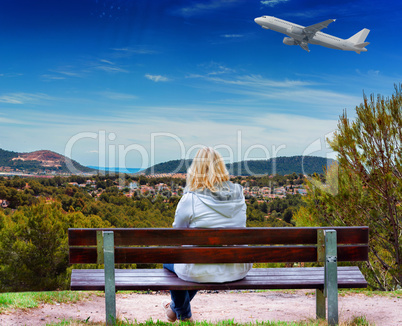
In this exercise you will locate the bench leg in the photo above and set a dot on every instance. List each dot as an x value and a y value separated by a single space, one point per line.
110 285
320 304
331 276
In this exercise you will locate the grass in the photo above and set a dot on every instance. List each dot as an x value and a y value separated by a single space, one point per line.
357 321
369 293
24 300
344 292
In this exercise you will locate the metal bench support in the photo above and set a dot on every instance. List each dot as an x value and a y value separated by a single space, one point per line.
327 253
110 285
331 276
320 295
320 304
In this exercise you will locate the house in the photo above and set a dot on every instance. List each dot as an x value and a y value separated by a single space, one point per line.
133 185
302 192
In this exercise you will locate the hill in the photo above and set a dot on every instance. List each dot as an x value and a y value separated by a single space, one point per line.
280 165
38 162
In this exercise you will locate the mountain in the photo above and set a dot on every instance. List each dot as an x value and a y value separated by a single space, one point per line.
174 166
39 162
48 161
280 165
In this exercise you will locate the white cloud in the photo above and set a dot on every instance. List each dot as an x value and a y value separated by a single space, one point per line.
157 78
255 81
23 98
52 77
10 99
232 35
68 73
107 61
118 96
169 127
11 74
213 68
62 72
257 88
135 51
201 7
12 121
110 68
107 66
272 3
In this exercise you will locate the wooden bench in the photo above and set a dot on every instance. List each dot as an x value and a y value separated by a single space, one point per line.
273 245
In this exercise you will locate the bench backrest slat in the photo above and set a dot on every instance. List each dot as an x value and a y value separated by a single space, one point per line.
241 236
264 245
204 255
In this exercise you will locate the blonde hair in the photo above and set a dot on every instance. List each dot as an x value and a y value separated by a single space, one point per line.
207 170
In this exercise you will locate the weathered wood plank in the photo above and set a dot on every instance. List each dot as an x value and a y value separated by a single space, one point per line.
83 255
256 279
353 253
217 254
165 237
276 254
254 271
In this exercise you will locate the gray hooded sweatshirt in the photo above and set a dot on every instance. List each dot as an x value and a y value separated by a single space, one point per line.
225 208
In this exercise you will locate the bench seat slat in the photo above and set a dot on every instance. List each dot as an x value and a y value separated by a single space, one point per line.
255 271
129 276
261 278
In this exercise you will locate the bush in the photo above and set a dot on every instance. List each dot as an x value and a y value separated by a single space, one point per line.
34 249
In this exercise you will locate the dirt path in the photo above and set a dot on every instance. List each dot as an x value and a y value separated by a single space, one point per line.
242 307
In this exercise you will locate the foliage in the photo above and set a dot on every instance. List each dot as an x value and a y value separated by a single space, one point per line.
275 213
6 156
281 165
33 229
33 246
366 189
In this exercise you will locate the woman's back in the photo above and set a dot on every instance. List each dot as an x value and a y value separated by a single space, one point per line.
210 201
224 208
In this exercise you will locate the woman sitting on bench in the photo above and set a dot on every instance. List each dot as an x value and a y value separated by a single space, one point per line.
210 200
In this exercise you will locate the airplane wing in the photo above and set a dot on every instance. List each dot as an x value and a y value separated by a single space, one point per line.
304 46
312 29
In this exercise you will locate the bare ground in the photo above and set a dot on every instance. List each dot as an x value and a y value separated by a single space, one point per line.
242 307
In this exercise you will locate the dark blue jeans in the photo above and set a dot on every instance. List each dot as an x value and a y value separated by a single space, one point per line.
180 299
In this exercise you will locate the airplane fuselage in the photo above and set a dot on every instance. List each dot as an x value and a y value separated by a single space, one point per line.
296 32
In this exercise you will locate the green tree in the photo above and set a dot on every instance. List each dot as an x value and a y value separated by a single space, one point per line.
367 187
34 249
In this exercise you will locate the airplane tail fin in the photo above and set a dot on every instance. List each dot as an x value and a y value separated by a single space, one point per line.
362 45
359 37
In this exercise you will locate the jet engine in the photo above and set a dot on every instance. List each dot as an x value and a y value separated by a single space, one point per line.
295 30
289 41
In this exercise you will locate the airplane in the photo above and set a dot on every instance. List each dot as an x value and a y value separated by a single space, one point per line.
302 36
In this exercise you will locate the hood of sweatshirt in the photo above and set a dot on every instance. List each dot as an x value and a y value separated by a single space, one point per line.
227 201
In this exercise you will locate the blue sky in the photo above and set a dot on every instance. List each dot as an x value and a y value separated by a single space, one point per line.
140 82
